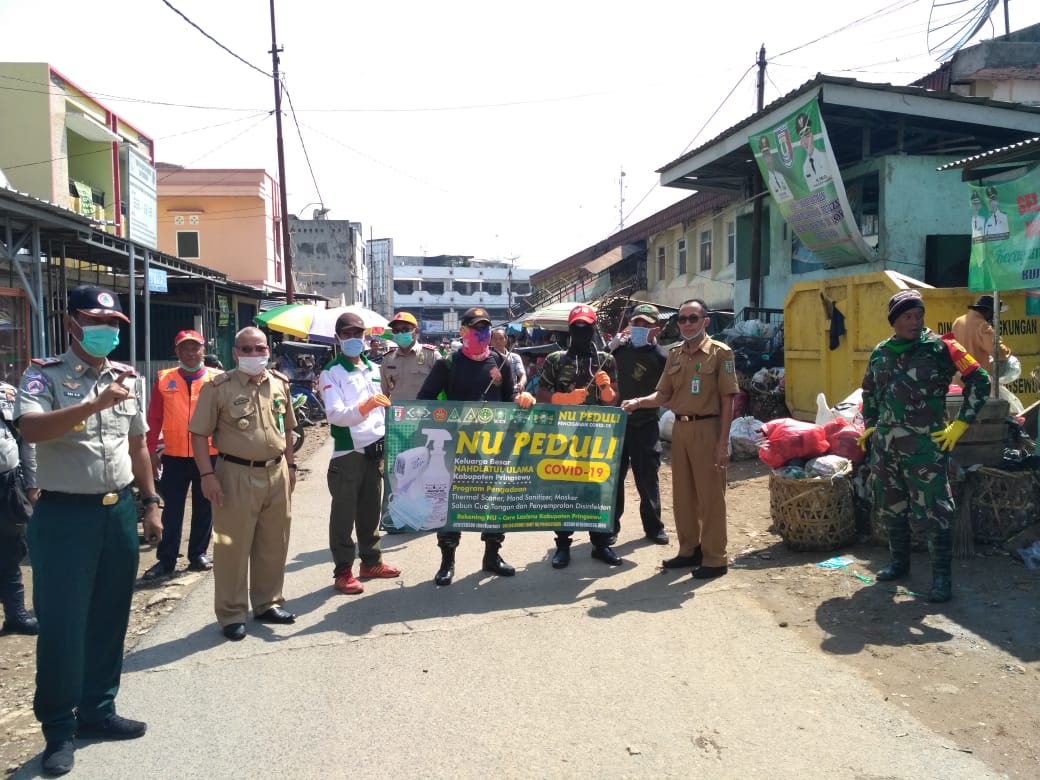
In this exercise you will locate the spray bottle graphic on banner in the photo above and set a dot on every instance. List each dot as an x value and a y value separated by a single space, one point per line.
421 485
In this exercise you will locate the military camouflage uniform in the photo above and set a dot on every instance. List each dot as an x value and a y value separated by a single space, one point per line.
904 396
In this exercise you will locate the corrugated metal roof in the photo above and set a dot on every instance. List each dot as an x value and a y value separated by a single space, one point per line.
1026 148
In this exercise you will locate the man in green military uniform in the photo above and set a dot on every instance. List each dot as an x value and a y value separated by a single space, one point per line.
581 375
904 407
249 414
84 414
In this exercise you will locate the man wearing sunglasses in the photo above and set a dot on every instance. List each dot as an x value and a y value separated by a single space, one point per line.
698 385
406 366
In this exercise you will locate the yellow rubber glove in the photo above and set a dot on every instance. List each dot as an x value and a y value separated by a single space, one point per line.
602 378
366 406
525 400
574 397
948 436
865 437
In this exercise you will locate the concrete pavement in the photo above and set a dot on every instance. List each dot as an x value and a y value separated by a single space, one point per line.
585 672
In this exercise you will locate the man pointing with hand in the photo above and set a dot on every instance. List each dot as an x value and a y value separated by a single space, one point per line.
84 414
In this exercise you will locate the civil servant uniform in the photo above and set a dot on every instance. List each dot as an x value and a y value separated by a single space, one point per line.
403 371
698 382
83 543
248 422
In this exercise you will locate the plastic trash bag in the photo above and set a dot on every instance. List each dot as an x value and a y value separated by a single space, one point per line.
788 439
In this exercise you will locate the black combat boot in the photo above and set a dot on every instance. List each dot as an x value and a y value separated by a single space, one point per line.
899 544
16 619
562 557
446 573
493 561
940 550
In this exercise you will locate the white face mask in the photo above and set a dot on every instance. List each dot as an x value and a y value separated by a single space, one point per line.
252 364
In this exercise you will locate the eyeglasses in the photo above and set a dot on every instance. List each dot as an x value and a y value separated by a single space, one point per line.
688 318
249 349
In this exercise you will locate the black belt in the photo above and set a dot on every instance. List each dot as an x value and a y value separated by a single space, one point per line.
104 499
253 463
691 417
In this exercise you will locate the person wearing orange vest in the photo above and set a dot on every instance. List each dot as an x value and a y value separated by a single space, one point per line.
169 409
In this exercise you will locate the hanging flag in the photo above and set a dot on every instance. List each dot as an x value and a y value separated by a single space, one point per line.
1005 235
799 168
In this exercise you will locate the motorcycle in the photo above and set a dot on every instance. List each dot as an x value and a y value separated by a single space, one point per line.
309 411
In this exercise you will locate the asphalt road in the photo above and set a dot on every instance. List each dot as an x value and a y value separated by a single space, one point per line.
585 672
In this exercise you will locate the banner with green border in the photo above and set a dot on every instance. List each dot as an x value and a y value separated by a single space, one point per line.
494 467
798 166
1005 234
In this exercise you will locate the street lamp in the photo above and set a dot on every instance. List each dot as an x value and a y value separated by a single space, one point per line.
318 213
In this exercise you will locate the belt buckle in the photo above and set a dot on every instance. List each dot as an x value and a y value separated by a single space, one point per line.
109 499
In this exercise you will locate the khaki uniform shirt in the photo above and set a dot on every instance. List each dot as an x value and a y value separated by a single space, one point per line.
698 379
403 371
94 456
245 419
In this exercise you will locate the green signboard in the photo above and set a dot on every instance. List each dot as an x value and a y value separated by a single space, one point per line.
799 168
462 466
1005 234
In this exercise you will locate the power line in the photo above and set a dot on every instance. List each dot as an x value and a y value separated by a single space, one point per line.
170 5
899 5
303 145
211 127
215 148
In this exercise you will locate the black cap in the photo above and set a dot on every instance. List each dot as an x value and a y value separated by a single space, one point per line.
985 304
96 301
349 319
475 316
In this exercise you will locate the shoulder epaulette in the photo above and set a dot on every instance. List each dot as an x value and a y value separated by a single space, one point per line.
676 346
429 347
220 379
279 374
121 367
47 361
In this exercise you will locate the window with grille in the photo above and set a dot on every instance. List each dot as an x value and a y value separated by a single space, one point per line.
705 250
681 247
660 264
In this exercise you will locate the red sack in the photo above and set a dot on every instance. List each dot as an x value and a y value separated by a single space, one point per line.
787 439
843 439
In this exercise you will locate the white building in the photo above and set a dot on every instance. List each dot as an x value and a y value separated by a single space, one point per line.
329 259
437 290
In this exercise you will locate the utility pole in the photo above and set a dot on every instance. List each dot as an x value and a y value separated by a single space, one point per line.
621 200
284 201
757 193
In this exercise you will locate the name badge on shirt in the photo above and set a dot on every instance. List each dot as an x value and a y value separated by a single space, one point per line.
695 385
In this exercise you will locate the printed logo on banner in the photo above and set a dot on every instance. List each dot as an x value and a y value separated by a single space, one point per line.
783 145
453 416
398 413
485 415
440 414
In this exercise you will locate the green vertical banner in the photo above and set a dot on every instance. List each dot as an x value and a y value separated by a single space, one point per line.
462 466
1005 235
798 166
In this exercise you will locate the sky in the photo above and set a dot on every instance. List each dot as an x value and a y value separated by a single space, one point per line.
467 126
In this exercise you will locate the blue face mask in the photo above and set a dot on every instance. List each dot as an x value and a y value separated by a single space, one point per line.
352 347
638 336
99 340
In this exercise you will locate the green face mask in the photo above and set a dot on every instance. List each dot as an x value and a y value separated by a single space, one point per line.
99 340
404 340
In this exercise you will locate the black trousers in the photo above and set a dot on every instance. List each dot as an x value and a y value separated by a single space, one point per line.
449 540
12 551
178 475
642 452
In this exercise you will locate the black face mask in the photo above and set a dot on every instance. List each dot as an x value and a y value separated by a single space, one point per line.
581 337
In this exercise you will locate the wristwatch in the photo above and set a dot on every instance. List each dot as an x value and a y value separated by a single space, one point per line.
150 500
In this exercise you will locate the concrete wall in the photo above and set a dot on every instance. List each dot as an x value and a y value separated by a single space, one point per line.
25 129
715 286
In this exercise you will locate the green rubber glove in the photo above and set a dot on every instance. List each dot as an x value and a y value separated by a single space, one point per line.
865 437
948 436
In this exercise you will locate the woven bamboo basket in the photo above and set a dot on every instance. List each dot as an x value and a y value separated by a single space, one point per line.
1003 503
812 514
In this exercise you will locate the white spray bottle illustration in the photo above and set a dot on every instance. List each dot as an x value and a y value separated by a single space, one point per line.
409 507
436 479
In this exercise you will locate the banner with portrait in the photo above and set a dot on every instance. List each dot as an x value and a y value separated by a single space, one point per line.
1005 234
798 166
471 466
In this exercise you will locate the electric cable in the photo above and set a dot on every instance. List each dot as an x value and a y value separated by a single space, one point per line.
299 132
179 13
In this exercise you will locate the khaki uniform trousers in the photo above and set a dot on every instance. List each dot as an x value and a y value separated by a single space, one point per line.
250 539
699 490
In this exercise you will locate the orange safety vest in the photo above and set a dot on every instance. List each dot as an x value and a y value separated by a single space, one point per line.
178 408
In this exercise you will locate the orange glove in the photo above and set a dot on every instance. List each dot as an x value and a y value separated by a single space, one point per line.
574 397
606 393
525 400
602 379
366 406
